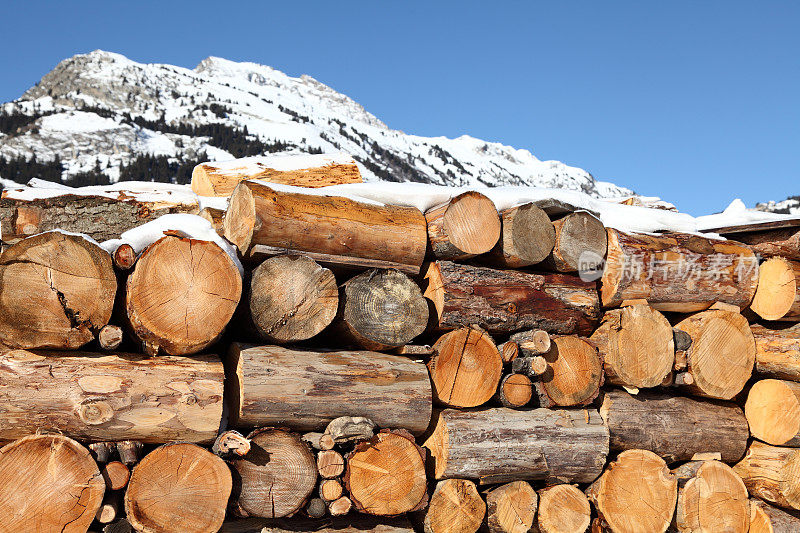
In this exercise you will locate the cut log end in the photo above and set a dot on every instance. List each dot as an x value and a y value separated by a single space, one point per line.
714 499
124 257
527 237
456 506
515 391
578 236
773 412
563 509
510 508
466 226
777 288
574 374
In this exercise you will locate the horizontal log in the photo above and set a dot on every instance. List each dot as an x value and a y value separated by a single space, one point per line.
354 523
765 518
770 473
783 242
777 351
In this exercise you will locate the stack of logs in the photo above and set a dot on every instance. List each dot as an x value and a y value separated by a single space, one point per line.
376 368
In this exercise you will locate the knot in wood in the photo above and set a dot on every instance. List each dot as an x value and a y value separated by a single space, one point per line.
95 412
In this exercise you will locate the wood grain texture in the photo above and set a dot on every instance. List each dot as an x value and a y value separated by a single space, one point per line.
576 233
465 226
765 518
777 351
455 507
563 509
773 412
713 499
510 508
778 293
573 375
771 473
527 237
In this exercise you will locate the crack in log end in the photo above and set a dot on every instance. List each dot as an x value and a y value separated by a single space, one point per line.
74 317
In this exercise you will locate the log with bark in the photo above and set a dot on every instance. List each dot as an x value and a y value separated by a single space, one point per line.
109 337
315 508
48 483
275 478
532 342
527 237
777 351
505 301
354 523
178 487
770 473
340 506
711 497
677 272
500 445
350 429
530 366
102 451
721 357
562 509
291 298
105 397
116 475
130 451
637 493
381 310
675 428
304 390
578 235
330 490
784 242
220 178
110 508
765 518
230 443
508 351
334 229
573 376
455 506
773 412
637 347
778 294
510 508
465 226
465 368
385 475
56 291
215 217
514 391
124 257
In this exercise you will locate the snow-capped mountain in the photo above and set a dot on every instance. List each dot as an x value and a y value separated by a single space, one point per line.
100 117
790 206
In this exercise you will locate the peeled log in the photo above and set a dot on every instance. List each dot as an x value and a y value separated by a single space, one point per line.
526 238
340 229
385 475
721 357
463 227
773 412
636 494
276 477
48 483
455 507
220 178
291 298
465 368
56 291
499 445
303 390
577 234
563 509
778 293
765 518
675 428
573 376
505 301
677 272
381 310
181 295
510 508
176 488
105 397
777 352
637 347
713 499
771 473
777 242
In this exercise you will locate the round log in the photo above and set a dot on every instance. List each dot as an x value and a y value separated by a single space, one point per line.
455 507
178 487
765 518
713 499
465 368
110 509
771 473
181 295
637 493
57 291
527 238
124 257
465 226
532 342
330 490
385 475
530 366
381 309
778 294
773 412
576 234
340 506
48 483
330 464
116 475
508 351
276 476
316 508
510 508
637 346
563 509
110 337
573 376
515 391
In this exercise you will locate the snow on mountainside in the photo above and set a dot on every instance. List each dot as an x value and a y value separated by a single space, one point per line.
102 117
790 206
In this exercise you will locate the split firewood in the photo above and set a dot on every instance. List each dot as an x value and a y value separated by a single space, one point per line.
526 238
778 294
501 445
170 480
574 374
277 475
765 518
505 301
109 338
48 483
636 493
576 234
110 509
340 506
56 291
385 475
130 451
318 441
530 366
721 357
510 508
562 509
463 227
116 475
381 310
532 342
455 507
677 272
711 497
333 229
637 346
102 451
316 508
350 429
181 295
770 473
220 178
231 443
508 351
330 464
291 298
124 257
777 242
777 352
675 428
330 489
268 387
465 369
515 391
107 397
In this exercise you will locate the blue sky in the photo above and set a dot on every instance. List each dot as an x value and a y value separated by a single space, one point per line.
696 102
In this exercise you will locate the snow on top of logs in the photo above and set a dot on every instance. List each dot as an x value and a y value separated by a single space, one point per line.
284 163
191 226
737 217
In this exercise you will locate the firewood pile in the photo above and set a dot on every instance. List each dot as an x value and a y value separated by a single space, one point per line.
302 359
